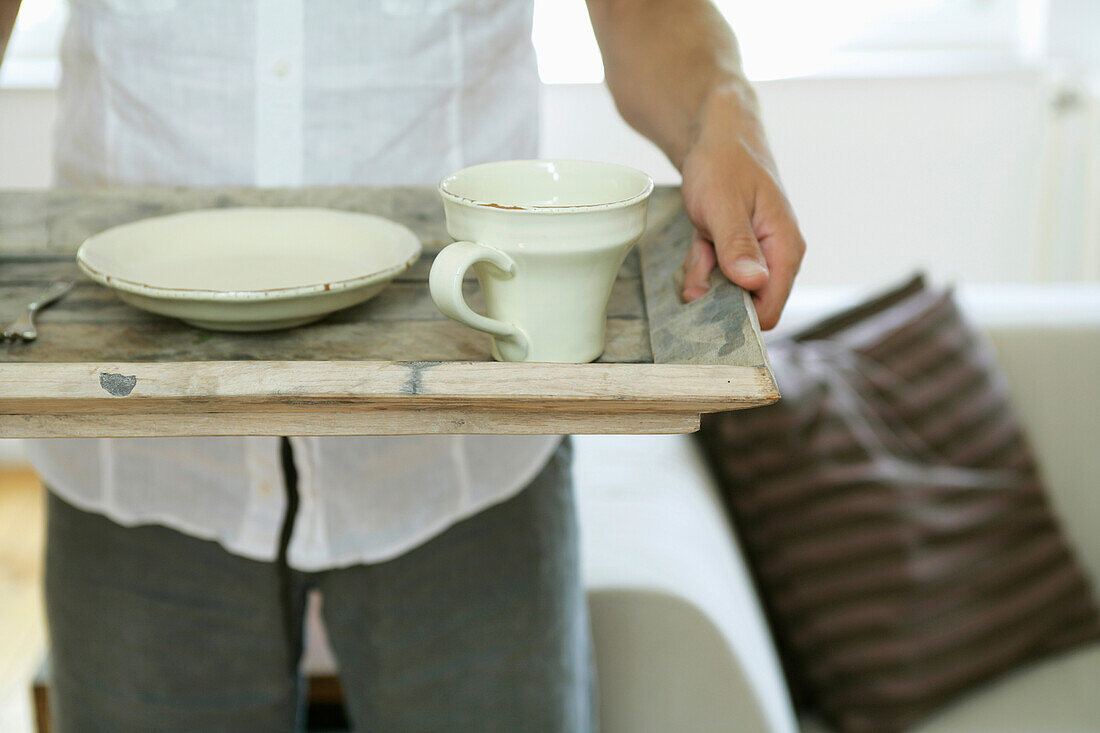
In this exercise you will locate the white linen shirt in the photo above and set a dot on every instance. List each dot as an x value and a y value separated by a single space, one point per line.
293 93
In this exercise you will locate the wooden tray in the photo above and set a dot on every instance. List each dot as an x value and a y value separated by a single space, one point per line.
394 365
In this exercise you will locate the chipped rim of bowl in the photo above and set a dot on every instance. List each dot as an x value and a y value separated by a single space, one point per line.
536 209
283 293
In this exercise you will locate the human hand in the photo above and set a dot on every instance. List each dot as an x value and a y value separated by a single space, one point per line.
743 221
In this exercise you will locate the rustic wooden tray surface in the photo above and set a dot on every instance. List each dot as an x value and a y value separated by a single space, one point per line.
393 365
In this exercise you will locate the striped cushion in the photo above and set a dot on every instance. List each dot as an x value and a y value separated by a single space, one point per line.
894 515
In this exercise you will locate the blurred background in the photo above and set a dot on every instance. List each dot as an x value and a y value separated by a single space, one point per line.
958 135
961 137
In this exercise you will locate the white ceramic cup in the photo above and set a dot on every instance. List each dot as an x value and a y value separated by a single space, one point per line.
546 238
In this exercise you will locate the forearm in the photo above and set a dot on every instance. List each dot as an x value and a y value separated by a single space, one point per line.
675 71
666 62
8 10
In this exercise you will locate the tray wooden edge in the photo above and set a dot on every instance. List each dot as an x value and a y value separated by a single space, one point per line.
367 397
360 422
224 385
720 328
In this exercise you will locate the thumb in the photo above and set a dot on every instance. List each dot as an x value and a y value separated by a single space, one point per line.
739 253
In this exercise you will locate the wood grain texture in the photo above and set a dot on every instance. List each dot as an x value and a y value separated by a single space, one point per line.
331 422
157 339
403 299
41 231
393 365
719 328
135 388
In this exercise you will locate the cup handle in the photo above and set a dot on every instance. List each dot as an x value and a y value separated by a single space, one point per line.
445 282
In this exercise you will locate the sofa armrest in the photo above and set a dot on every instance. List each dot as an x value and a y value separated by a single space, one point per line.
681 641
1050 355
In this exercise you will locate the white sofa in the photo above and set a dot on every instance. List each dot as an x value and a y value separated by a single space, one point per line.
681 642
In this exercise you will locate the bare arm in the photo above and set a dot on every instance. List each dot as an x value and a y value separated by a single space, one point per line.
674 69
8 10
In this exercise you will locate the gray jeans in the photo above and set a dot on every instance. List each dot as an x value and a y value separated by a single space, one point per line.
483 628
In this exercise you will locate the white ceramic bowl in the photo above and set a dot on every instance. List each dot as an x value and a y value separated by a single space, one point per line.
249 269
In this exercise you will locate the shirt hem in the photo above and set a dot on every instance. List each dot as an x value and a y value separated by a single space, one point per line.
429 531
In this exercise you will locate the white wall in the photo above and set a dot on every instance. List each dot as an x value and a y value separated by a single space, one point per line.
954 174
979 177
26 129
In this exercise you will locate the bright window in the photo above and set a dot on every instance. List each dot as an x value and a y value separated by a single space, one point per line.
805 37
778 37
31 58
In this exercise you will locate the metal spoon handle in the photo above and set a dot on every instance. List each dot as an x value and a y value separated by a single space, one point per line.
23 327
51 294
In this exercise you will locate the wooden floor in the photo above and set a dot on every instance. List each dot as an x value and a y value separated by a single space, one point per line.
22 631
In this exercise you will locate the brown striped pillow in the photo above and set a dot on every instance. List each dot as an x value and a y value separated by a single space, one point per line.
894 515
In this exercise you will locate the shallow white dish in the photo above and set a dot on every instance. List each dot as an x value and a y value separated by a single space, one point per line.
249 269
